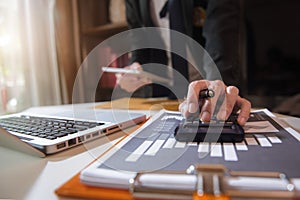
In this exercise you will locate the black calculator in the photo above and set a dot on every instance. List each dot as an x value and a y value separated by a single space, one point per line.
214 131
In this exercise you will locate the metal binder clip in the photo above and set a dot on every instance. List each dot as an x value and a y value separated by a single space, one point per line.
277 185
133 182
217 182
209 181
140 189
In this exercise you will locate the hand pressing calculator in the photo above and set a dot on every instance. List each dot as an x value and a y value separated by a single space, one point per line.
214 131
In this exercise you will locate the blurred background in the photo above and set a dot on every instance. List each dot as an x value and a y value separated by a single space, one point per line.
44 42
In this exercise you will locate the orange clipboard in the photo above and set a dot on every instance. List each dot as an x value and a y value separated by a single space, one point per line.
74 188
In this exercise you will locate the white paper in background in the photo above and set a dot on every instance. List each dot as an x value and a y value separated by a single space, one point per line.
259 127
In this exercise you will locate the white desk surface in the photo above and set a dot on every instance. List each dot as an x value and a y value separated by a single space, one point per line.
25 177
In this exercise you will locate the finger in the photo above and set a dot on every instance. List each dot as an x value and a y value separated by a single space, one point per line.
122 76
245 108
183 108
210 105
193 94
136 66
145 80
129 83
118 78
206 113
228 104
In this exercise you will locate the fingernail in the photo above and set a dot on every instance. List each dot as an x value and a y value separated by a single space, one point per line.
205 116
192 108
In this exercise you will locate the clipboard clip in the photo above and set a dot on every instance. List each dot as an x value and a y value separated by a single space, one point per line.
214 182
209 181
149 189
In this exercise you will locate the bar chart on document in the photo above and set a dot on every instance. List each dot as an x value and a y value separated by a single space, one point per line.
267 146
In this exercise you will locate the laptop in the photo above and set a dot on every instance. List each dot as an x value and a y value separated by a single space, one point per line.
45 130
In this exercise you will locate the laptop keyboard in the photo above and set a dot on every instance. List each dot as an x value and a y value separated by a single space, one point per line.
49 128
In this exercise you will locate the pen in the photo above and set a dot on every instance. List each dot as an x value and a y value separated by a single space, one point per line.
203 94
206 93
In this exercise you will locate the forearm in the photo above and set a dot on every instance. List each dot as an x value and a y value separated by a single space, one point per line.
221 31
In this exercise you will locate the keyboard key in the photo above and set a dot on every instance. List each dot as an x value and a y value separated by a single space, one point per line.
92 125
35 134
80 128
61 134
49 128
73 130
42 135
51 137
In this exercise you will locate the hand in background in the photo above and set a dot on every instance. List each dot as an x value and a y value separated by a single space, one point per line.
130 82
230 101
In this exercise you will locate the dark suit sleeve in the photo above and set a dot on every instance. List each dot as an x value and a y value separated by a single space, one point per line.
133 14
138 16
221 31
134 20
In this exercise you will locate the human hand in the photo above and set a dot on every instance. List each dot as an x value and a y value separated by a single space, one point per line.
130 82
228 95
